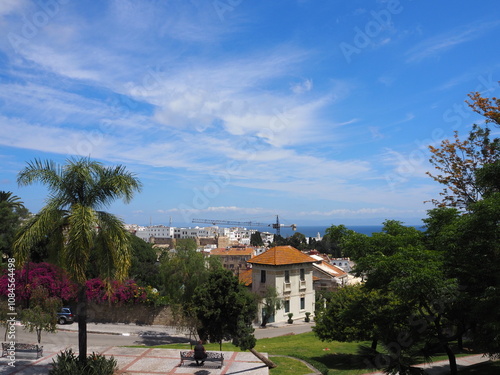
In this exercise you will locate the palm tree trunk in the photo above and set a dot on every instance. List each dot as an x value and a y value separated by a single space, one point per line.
267 361
452 359
81 311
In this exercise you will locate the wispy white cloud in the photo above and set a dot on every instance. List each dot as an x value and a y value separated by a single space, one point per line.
435 45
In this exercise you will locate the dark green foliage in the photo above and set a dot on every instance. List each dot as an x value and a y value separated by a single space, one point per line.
298 241
334 239
225 309
256 239
96 364
144 268
318 365
182 270
12 212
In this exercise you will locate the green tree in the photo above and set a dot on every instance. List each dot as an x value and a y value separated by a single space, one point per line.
144 267
256 239
42 314
182 270
270 303
225 310
75 224
12 212
334 239
298 241
473 257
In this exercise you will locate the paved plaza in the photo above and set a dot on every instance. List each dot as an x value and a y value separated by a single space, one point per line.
147 361
143 361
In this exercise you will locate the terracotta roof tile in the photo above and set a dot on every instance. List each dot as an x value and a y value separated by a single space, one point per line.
281 255
330 269
222 251
245 277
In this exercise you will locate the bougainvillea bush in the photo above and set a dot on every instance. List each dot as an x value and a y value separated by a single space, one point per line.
57 283
127 292
34 275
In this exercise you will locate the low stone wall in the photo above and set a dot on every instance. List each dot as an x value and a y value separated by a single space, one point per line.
130 314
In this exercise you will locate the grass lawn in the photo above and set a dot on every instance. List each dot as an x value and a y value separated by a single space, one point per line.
337 356
340 358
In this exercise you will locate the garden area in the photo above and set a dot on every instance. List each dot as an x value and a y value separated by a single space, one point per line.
291 351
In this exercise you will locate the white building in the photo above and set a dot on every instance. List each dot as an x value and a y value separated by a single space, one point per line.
290 272
345 263
156 231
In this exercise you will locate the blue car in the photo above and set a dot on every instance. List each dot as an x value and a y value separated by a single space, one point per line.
65 316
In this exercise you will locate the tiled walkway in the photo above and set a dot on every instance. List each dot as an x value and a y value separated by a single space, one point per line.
144 361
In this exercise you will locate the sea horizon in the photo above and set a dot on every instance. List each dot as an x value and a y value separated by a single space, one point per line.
307 230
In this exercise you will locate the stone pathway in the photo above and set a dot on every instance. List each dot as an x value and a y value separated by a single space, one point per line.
144 361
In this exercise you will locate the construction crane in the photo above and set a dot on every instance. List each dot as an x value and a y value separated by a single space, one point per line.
275 225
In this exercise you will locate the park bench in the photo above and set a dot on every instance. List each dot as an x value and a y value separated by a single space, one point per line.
20 347
211 357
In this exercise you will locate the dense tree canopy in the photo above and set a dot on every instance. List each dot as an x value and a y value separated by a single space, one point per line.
12 212
224 307
424 291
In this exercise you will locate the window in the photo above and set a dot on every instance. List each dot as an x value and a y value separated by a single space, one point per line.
287 276
302 303
302 274
262 276
287 306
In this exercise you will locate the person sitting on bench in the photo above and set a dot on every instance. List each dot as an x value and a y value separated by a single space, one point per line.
199 353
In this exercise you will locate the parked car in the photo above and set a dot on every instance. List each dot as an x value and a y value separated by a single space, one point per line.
65 316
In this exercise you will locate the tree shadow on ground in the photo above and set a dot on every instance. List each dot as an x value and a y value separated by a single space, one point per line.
160 340
342 361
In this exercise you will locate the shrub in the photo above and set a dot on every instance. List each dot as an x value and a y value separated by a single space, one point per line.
307 319
34 275
67 363
290 320
127 292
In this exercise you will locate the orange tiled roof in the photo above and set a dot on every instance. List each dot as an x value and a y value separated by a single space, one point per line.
245 277
330 269
222 251
281 255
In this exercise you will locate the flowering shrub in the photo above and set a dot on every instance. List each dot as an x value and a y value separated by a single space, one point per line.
154 298
58 284
34 275
116 292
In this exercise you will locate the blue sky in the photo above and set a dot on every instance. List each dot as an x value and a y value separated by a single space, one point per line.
317 111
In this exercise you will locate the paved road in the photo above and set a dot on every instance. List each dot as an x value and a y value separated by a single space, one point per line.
125 334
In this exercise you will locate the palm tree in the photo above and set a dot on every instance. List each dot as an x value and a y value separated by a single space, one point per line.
75 226
13 201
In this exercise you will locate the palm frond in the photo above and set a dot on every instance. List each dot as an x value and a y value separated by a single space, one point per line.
35 230
46 172
12 200
115 183
113 246
80 240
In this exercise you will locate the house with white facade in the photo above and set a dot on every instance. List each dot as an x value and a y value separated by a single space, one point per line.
154 231
290 272
327 276
345 263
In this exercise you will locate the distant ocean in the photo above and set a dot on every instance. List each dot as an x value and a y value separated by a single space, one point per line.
312 231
